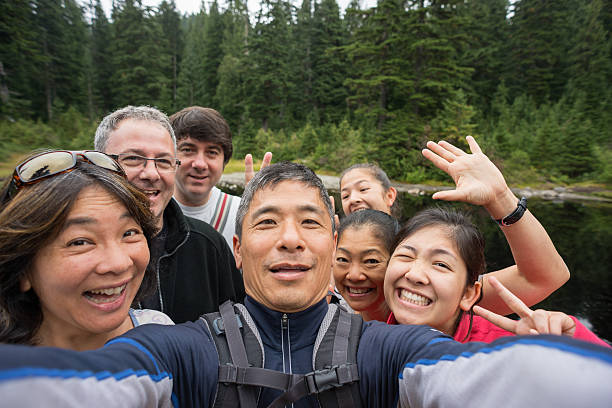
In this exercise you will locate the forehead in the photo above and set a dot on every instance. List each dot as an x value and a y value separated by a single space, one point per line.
200 143
288 196
430 238
140 136
361 238
357 176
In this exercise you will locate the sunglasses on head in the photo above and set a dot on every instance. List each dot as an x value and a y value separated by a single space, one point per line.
49 164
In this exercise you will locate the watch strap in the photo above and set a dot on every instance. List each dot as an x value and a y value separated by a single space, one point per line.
515 215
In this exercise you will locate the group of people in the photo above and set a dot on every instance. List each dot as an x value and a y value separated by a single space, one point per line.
96 243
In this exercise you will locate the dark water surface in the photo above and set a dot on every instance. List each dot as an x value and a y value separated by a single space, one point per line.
581 232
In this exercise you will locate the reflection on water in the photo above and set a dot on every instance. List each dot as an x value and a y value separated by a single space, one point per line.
582 233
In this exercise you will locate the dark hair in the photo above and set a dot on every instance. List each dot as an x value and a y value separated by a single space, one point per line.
468 239
33 218
384 226
205 125
275 174
380 175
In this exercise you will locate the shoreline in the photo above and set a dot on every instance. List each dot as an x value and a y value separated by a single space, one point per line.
553 194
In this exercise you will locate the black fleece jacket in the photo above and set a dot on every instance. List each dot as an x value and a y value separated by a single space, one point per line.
196 269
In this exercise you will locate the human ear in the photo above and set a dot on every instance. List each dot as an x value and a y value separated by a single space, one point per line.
390 196
470 296
237 254
24 283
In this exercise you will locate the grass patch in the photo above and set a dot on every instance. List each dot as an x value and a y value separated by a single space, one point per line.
237 166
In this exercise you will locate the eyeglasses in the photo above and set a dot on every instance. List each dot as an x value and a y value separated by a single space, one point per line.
49 164
134 162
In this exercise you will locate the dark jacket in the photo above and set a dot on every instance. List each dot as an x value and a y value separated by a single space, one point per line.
196 269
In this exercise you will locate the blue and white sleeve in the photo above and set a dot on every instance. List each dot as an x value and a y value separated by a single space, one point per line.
521 371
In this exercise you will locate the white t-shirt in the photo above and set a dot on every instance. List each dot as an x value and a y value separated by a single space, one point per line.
207 211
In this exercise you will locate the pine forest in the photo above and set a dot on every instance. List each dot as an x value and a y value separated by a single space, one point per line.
531 80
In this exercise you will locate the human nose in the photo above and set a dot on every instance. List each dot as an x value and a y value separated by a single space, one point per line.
149 171
417 273
290 237
354 272
199 162
114 259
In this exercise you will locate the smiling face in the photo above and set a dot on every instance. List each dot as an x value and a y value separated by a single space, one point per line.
87 277
425 281
359 189
151 140
200 170
287 247
359 271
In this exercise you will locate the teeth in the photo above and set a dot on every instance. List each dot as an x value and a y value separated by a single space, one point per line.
414 298
108 291
358 291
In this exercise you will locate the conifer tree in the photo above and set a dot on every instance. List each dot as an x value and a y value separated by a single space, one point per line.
101 62
169 20
138 63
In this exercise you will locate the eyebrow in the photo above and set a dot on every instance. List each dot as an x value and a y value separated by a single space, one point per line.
355 183
437 251
276 209
88 220
140 152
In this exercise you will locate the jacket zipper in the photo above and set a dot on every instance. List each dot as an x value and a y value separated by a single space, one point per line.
286 344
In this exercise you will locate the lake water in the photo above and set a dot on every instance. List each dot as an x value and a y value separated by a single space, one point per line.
581 232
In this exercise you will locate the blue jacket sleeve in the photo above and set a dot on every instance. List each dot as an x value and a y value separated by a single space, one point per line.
151 365
431 370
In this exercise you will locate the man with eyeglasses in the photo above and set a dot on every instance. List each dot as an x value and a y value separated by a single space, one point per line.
195 267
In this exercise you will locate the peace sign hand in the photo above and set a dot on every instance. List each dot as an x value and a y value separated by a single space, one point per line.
532 322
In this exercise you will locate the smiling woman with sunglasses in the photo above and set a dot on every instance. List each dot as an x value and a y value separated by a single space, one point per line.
74 251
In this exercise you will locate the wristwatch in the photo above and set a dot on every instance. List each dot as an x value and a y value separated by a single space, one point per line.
515 215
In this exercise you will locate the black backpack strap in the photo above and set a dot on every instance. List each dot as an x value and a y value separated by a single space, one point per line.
335 361
228 391
337 346
317 382
246 395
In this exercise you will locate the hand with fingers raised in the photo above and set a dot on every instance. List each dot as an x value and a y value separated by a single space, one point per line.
478 181
531 321
336 219
249 173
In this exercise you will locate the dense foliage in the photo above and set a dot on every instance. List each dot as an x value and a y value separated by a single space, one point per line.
531 79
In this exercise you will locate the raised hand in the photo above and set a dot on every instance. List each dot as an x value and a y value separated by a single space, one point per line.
249 173
336 219
532 322
478 181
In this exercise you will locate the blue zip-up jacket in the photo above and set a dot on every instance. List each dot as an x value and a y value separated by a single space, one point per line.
155 365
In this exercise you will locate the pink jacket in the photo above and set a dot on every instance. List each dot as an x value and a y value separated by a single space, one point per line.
485 331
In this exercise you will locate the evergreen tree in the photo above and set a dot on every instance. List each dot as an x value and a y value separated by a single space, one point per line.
540 33
169 20
19 58
212 52
271 78
190 89
329 67
138 61
234 68
61 30
486 28
101 64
